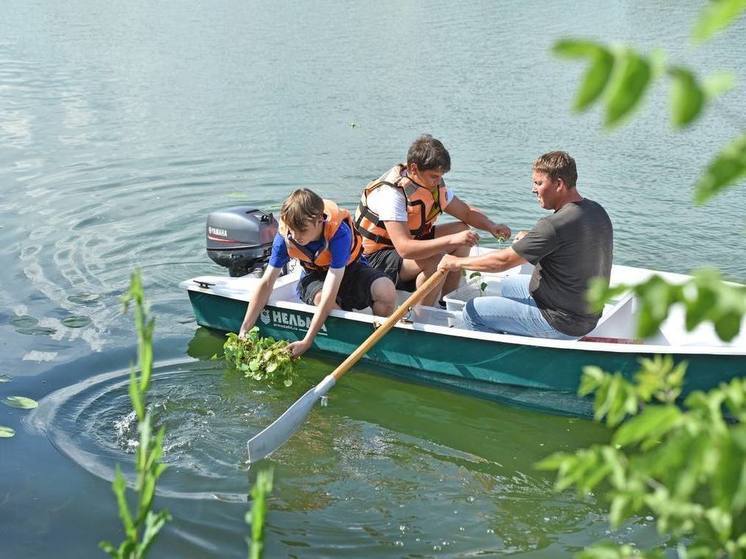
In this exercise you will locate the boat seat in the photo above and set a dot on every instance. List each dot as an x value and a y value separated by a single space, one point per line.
617 322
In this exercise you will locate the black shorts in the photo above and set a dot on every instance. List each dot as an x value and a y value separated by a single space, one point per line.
354 291
389 262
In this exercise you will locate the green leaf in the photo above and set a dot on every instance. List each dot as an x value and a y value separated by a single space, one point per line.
576 48
728 168
6 432
475 275
687 97
595 79
20 402
717 84
716 16
653 422
630 79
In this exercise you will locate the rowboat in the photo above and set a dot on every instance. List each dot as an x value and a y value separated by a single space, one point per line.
432 345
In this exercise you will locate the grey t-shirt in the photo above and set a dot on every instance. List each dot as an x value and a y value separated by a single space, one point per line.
568 248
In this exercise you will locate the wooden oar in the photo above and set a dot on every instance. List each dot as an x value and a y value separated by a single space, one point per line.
274 436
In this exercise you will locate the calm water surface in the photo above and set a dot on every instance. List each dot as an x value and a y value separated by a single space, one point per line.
123 125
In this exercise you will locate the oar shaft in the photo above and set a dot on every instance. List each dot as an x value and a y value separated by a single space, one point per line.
389 323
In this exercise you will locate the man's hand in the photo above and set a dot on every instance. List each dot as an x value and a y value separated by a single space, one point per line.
468 238
450 263
242 333
520 235
296 349
501 232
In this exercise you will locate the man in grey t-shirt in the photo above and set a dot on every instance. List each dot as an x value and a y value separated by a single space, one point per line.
568 249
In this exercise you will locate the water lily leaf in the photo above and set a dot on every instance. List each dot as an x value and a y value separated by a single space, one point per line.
5 378
272 367
76 321
687 97
631 77
6 432
728 168
716 16
36 331
24 321
85 299
20 402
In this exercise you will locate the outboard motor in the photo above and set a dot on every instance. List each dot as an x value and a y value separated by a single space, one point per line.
240 239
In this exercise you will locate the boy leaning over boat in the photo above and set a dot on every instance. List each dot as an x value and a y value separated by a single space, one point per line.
397 215
321 236
567 248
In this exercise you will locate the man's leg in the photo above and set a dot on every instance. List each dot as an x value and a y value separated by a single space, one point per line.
501 314
516 287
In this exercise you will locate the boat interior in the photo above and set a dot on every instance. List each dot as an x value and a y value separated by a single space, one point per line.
616 326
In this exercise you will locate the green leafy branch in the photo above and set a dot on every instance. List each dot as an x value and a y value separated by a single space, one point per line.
143 525
263 359
256 516
621 76
704 298
686 466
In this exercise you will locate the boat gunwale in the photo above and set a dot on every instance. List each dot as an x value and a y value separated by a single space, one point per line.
572 345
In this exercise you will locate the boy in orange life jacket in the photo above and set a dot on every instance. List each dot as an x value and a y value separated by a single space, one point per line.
336 275
397 215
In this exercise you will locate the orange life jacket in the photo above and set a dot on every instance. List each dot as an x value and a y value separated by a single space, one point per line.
423 209
334 216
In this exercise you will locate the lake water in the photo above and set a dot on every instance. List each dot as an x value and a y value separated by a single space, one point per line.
123 124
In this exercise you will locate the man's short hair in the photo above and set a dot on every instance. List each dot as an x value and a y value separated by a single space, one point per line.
300 208
428 154
558 165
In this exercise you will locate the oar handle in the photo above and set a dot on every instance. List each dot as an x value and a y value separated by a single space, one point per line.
388 324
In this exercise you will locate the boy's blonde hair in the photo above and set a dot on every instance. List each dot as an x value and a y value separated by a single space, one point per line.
300 208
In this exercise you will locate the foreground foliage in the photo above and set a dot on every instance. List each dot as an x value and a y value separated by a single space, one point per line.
263 359
685 466
143 524
256 516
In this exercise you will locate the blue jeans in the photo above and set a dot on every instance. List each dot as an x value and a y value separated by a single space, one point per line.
514 312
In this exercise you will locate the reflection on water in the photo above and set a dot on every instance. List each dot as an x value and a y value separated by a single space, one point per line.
375 467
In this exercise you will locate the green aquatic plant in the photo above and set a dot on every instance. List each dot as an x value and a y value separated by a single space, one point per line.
6 432
483 285
256 516
263 359
143 525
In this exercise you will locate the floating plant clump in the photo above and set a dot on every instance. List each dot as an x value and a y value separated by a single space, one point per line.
263 359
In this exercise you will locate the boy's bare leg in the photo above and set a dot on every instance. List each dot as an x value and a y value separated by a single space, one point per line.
383 294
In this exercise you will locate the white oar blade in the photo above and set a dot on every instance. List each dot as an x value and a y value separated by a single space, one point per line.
273 437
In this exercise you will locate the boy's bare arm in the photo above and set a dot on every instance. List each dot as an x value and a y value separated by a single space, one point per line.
476 218
258 299
328 302
414 249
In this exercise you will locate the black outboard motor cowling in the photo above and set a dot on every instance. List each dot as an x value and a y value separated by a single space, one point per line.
240 238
